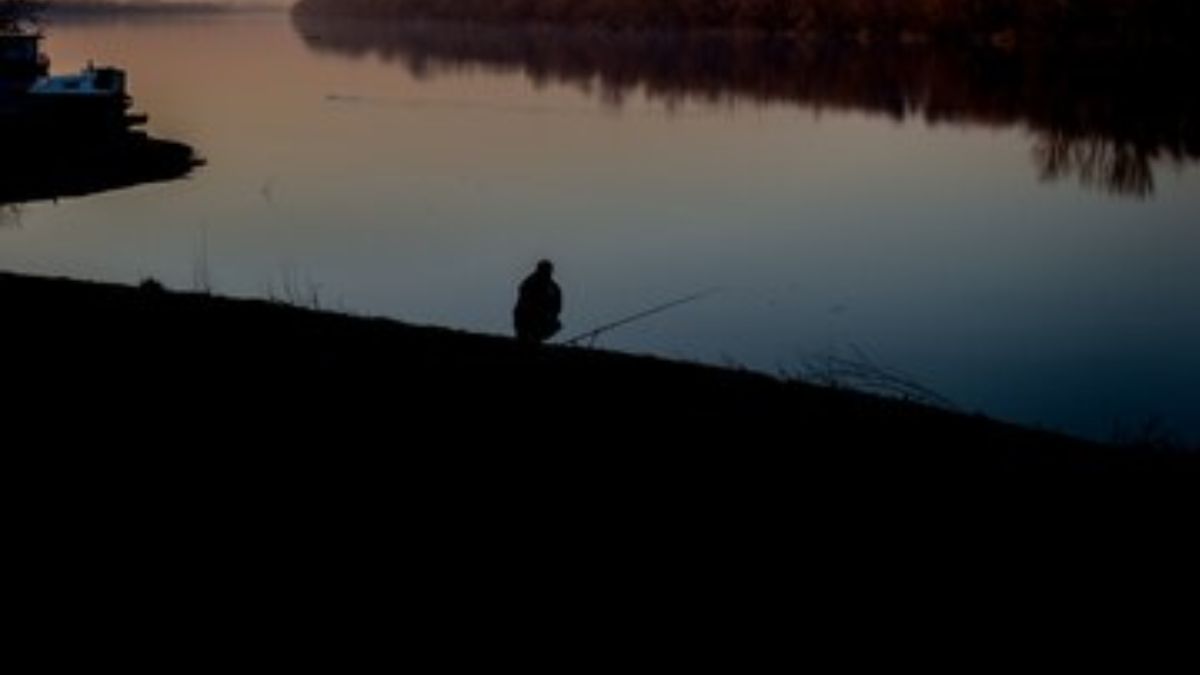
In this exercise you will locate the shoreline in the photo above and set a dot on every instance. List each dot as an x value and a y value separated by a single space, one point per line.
166 355
1017 25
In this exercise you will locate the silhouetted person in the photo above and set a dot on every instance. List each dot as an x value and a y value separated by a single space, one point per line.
536 315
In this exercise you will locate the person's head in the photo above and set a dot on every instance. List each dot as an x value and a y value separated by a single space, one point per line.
545 267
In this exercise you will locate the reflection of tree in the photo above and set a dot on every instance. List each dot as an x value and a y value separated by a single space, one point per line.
1096 162
1116 111
10 215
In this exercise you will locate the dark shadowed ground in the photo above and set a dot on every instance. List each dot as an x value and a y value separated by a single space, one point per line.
207 481
227 373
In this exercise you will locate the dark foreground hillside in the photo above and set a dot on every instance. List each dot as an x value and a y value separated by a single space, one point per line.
193 480
149 366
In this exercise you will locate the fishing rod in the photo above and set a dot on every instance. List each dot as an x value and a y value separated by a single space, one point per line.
594 333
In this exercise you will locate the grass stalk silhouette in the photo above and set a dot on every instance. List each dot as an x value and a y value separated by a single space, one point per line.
860 372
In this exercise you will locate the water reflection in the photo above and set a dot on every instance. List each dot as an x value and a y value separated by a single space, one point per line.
1102 118
1122 168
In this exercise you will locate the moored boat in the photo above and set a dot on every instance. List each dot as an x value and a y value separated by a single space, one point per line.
42 108
94 99
72 134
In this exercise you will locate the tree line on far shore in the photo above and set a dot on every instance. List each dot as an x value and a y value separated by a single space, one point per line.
942 20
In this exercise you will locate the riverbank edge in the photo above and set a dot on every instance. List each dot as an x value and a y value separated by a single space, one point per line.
106 348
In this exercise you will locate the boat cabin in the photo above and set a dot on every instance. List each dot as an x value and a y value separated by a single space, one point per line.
92 81
21 58
92 101
20 48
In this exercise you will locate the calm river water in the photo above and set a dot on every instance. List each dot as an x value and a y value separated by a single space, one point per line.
1019 239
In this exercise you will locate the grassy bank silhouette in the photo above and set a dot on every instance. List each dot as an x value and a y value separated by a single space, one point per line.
273 375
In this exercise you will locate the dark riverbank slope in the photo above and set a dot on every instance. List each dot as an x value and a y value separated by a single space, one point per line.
175 458
175 369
